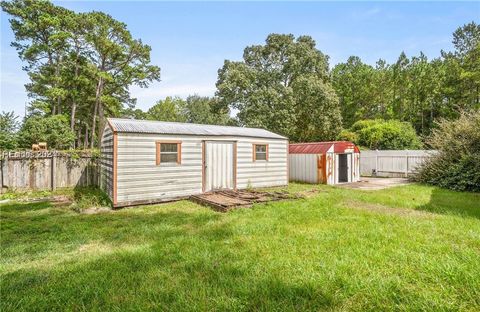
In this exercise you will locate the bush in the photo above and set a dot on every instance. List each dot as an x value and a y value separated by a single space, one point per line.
54 130
390 134
362 124
457 164
346 135
89 197
8 131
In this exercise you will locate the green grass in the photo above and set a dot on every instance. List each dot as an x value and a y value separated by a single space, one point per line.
406 248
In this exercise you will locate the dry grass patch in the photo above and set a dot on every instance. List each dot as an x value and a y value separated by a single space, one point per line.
383 209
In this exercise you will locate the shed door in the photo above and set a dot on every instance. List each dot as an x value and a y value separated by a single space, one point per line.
350 167
219 162
343 168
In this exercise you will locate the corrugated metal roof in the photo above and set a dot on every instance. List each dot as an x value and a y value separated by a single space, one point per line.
163 127
321 147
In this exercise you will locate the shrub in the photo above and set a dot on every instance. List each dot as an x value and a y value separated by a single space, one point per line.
390 134
457 164
54 130
8 131
362 124
89 197
346 135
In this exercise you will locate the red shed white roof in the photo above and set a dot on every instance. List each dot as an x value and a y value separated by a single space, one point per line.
322 147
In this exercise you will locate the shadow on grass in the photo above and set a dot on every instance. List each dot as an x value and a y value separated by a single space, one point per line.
16 207
444 201
175 260
179 275
62 228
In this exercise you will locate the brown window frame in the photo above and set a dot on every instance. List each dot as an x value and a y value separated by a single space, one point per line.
158 151
254 156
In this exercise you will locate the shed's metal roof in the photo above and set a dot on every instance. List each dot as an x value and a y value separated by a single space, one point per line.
163 127
321 147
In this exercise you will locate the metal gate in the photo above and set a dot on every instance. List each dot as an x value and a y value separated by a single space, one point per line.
219 162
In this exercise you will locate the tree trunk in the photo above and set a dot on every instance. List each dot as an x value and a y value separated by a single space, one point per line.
98 93
59 105
72 117
101 124
478 95
79 136
74 102
57 75
431 113
85 142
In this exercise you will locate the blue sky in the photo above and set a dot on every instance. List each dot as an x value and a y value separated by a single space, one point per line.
190 40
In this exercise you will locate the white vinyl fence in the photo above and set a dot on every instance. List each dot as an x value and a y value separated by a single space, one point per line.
392 163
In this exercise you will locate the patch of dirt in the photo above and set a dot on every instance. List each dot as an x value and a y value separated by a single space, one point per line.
56 200
370 183
378 208
308 193
95 210
60 200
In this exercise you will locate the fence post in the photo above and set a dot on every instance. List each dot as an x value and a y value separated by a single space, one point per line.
376 162
4 172
1 174
54 172
406 166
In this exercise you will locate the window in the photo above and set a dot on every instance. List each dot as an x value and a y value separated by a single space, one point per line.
260 152
169 152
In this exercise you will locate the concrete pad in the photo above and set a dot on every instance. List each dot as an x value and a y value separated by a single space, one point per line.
370 183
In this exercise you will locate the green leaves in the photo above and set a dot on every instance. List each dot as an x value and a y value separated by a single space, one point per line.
457 164
81 64
413 89
206 110
54 130
8 131
382 134
282 86
169 109
195 109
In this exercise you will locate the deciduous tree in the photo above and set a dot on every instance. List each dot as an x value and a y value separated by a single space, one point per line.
278 84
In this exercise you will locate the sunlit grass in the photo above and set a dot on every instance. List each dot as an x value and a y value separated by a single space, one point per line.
406 248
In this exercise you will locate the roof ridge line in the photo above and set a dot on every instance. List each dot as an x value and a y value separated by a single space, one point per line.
185 123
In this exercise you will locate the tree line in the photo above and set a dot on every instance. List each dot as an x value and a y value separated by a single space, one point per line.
413 89
81 66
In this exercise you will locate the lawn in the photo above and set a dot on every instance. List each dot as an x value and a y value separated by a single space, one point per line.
407 248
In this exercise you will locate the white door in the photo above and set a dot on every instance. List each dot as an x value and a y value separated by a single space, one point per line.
219 162
350 167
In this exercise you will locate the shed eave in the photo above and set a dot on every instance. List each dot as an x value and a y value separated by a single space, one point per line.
176 128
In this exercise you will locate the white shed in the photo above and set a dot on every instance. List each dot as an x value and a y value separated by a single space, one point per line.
153 161
324 162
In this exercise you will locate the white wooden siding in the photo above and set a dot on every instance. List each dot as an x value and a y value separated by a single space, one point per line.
140 179
106 162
